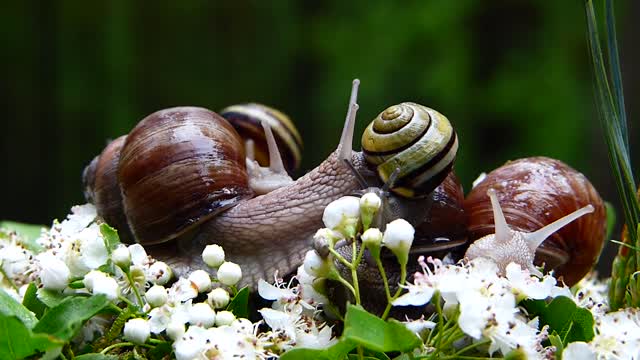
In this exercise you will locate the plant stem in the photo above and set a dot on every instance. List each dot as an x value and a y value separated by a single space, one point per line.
134 288
403 278
354 271
340 257
384 279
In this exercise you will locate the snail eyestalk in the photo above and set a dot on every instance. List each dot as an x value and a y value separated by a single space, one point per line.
345 146
501 228
275 159
536 238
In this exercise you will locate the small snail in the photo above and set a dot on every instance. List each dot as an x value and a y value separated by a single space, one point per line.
526 195
183 182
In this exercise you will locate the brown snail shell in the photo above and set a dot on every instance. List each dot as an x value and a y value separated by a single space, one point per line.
178 167
534 192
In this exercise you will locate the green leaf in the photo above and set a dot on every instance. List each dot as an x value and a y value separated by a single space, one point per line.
555 340
31 301
96 356
337 351
111 238
50 298
239 305
374 333
160 351
28 233
569 321
17 342
611 219
64 320
10 307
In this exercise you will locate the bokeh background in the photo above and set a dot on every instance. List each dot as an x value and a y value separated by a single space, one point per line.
514 77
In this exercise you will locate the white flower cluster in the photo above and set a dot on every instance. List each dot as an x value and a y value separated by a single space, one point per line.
293 317
485 303
17 262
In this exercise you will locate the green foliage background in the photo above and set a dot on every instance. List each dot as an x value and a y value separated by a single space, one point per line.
512 76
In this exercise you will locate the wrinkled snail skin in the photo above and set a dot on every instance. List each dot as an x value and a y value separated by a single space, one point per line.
534 192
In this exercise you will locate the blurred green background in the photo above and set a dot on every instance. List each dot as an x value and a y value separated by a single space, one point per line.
514 78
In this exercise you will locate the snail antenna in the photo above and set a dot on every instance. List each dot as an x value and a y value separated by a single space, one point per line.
345 147
502 230
275 159
391 181
363 183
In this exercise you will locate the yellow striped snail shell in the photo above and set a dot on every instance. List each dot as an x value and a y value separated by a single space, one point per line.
415 139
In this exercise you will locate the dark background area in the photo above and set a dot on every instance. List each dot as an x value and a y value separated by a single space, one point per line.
514 78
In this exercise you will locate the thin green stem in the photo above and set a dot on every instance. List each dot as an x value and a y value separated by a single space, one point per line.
383 274
122 344
344 282
134 288
354 271
403 278
340 257
472 346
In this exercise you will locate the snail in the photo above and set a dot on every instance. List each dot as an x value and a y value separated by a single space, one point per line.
526 195
183 181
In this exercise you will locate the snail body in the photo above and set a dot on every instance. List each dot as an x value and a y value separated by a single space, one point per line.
174 201
532 193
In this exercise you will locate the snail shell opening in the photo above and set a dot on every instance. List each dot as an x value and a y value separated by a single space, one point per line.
415 139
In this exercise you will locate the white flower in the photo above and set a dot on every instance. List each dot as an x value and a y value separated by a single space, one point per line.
192 344
229 273
159 273
160 318
138 254
54 273
372 240
218 298
617 335
315 265
98 282
292 328
524 285
579 350
201 279
156 295
342 215
202 314
121 256
271 292
182 290
312 291
420 325
81 216
592 293
86 251
137 330
175 330
493 304
224 318
398 237
15 259
213 255
517 334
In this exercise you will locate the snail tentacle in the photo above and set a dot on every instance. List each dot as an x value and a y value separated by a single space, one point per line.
536 238
263 180
503 232
345 147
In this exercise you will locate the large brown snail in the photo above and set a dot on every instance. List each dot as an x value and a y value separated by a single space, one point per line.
179 181
532 193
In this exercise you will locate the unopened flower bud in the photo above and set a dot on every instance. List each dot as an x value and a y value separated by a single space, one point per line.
218 298
159 273
156 296
175 330
398 238
369 205
342 215
137 330
98 282
315 265
202 314
229 273
201 279
224 318
121 256
372 240
213 255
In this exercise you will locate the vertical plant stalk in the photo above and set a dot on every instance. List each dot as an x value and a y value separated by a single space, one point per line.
610 100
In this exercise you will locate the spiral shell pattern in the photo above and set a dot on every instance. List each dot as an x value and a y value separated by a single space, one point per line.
246 119
415 139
